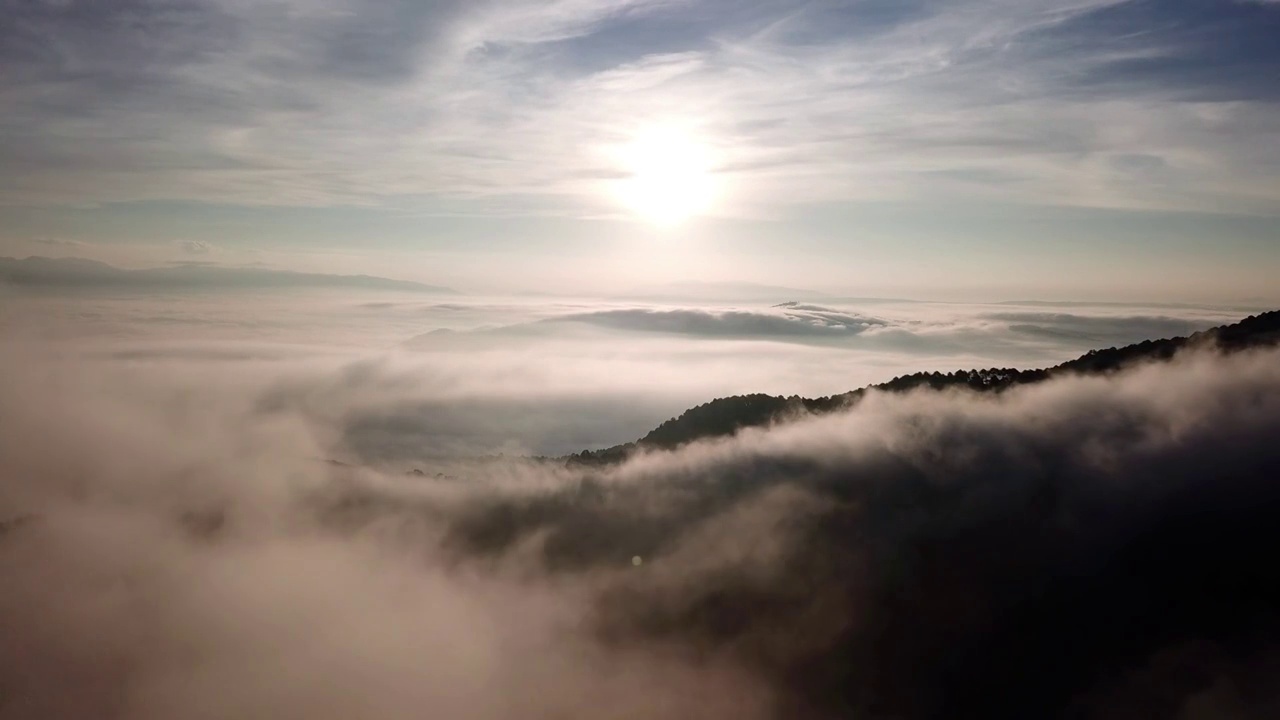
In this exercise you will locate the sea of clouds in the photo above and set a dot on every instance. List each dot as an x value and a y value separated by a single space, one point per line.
205 513
412 377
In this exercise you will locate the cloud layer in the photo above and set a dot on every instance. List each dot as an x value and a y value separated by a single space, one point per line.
409 378
522 104
1090 547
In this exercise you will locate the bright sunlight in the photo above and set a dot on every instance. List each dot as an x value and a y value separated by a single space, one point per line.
670 177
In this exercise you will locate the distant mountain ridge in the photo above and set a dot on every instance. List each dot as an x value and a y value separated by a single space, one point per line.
722 291
726 416
72 273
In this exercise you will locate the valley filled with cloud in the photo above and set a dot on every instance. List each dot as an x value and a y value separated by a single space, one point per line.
420 375
324 505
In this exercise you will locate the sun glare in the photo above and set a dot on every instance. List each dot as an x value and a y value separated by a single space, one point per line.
670 178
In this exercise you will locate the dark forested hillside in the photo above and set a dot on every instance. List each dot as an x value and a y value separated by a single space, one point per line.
725 416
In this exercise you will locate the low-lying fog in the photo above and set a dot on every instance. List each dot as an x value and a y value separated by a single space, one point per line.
412 377
173 543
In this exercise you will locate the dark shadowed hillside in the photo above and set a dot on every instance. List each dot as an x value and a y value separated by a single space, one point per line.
725 416
1096 546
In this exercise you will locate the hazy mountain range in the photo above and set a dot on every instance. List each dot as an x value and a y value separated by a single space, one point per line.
76 273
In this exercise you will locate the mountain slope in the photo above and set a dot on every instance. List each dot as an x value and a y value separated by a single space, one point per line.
726 416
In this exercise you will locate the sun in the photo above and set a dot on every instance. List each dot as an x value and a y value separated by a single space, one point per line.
669 177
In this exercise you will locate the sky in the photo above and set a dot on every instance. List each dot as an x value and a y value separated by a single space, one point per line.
959 149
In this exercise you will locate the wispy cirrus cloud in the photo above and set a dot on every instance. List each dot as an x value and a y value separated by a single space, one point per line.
515 105
57 242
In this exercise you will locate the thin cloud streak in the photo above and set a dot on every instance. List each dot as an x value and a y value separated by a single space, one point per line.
383 103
